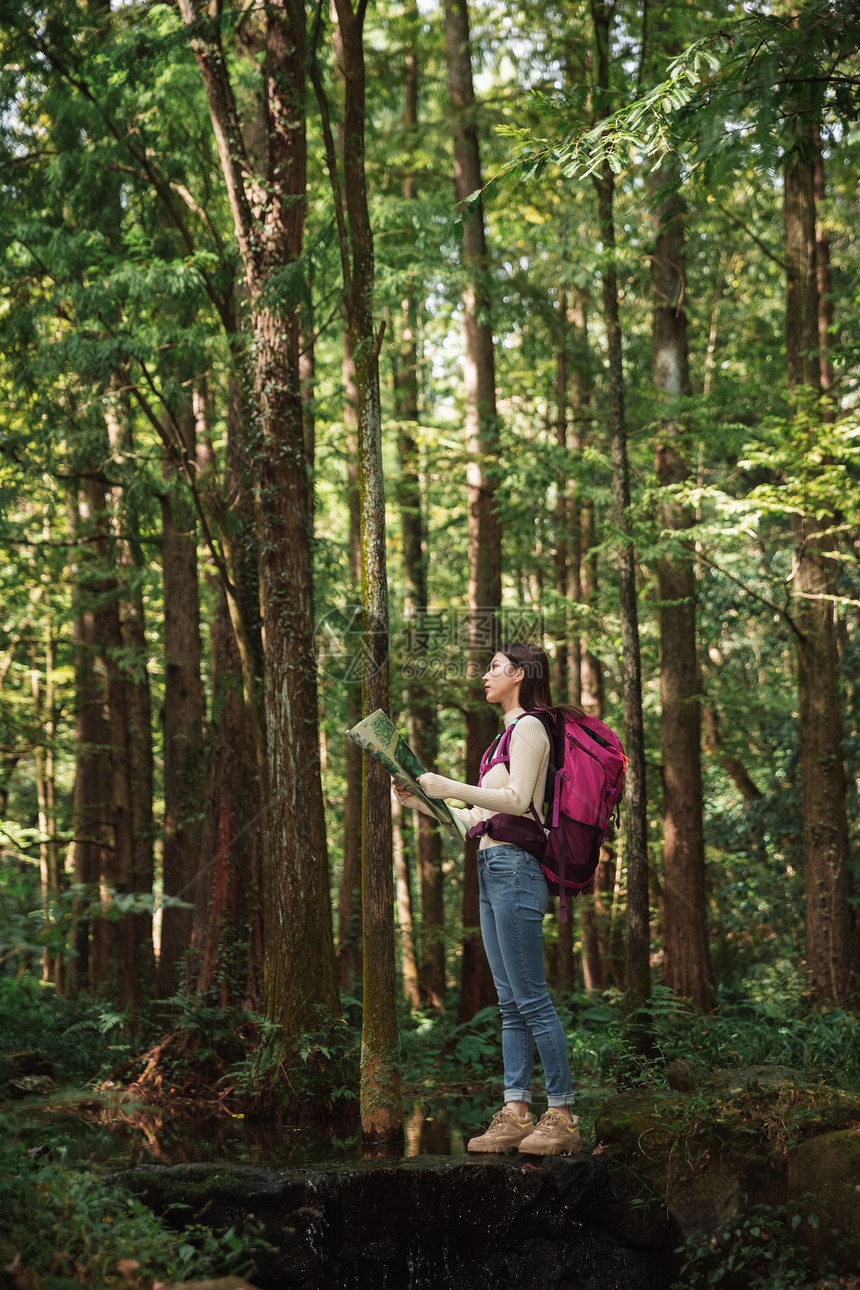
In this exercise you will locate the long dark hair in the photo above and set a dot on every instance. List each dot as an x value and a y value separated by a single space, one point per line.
535 689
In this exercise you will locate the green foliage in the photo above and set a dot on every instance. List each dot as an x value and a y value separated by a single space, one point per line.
68 1228
305 1078
747 86
83 1038
757 1250
772 1026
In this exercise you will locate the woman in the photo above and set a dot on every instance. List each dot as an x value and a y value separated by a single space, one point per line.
514 898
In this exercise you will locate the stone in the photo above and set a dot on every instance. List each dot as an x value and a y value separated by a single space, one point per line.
735 1139
684 1076
426 1222
824 1174
27 1073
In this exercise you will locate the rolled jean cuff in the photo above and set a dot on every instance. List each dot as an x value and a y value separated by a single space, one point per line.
519 1095
560 1101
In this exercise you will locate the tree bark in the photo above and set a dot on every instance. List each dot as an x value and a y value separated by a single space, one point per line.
482 448
408 959
118 875
381 1092
300 969
183 715
125 518
824 283
423 722
638 937
92 771
828 918
686 961
228 894
349 934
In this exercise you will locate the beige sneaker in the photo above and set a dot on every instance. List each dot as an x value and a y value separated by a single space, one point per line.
505 1133
555 1135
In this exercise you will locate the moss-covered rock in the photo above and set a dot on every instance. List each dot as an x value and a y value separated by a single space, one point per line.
824 1172
719 1142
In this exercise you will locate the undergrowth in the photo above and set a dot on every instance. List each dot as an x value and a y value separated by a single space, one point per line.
822 1044
62 1228
757 1250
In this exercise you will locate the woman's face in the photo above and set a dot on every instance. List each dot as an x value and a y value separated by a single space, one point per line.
502 681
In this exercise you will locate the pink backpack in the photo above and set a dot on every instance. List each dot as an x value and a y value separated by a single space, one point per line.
584 784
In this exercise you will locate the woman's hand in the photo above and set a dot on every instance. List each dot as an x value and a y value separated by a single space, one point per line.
433 785
402 794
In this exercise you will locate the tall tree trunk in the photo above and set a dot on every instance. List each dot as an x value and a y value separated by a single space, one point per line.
567 588
349 934
129 566
686 960
828 920
590 687
90 796
423 722
183 714
119 873
268 214
350 951
381 1093
41 802
227 936
482 448
638 938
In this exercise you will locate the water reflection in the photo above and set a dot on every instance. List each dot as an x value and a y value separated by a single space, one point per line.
112 1133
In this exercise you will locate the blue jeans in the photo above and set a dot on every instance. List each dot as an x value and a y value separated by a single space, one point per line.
514 898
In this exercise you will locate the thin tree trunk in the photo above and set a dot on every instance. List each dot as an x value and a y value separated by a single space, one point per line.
227 938
824 282
423 724
408 960
732 765
88 859
638 938
381 1092
590 684
350 950
828 919
567 587
349 934
129 565
41 802
686 960
482 447
183 715
119 873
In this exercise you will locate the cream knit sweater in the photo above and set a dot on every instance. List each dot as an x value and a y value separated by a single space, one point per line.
505 791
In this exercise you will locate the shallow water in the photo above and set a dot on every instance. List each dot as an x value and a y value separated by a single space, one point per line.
108 1132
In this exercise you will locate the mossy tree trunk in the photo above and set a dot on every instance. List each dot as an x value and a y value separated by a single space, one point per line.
825 844
638 935
268 208
482 449
183 714
381 1089
423 729
686 960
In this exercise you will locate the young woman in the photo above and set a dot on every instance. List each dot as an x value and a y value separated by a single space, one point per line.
514 900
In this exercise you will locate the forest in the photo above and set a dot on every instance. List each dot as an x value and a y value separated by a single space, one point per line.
340 346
